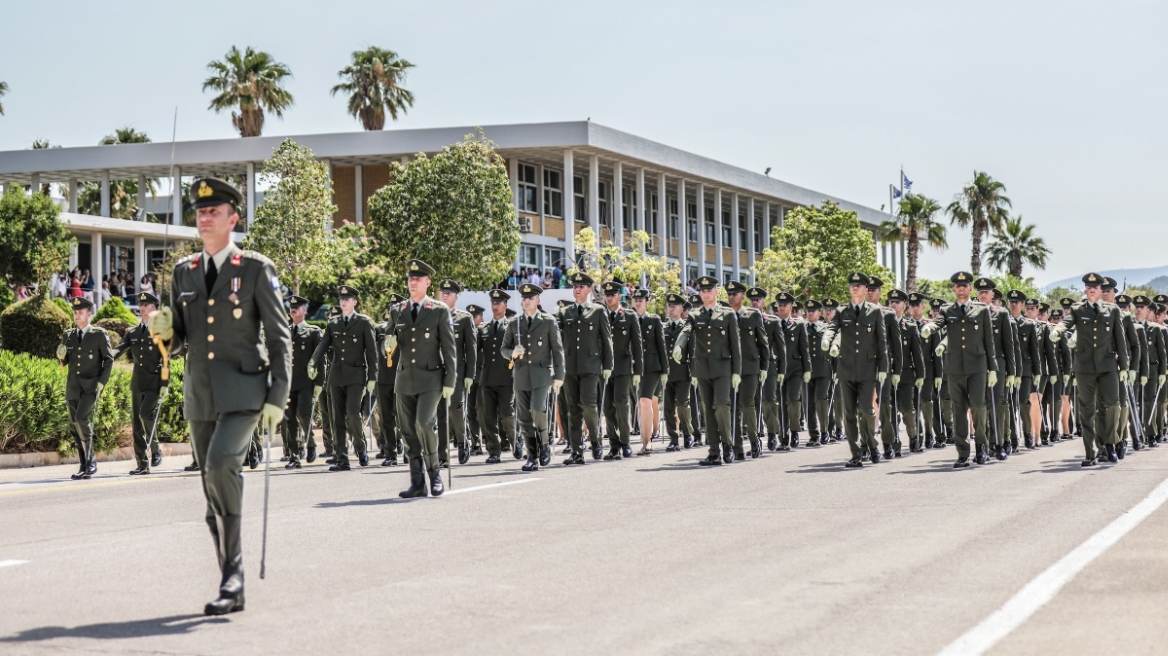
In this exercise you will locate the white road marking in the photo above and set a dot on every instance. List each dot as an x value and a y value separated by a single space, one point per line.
463 490
1046 585
10 563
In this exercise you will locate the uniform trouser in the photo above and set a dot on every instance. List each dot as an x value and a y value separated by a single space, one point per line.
531 407
345 401
771 414
297 419
859 418
451 411
473 420
1024 391
927 393
1122 425
697 419
498 417
387 409
144 405
889 430
677 409
906 393
746 417
616 411
1057 390
1150 392
945 416
417 418
968 395
1098 395
582 392
791 391
715 393
81 425
999 430
817 419
219 449
326 421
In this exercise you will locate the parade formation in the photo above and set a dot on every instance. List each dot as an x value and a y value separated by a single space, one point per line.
991 373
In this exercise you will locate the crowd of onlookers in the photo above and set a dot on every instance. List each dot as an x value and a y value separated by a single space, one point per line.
79 282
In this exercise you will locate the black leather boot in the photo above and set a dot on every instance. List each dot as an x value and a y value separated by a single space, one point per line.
417 481
231 588
436 487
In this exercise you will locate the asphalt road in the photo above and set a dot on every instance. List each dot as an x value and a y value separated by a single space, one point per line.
789 554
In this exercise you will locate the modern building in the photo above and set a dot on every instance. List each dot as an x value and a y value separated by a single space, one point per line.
709 217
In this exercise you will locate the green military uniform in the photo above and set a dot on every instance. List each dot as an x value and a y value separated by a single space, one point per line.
756 353
1138 356
351 345
86 352
1005 353
298 414
772 412
676 397
466 354
798 348
587 338
496 384
146 386
819 389
943 415
532 342
628 366
886 393
912 370
426 368
655 355
926 394
322 399
473 407
387 433
1029 368
716 364
1157 349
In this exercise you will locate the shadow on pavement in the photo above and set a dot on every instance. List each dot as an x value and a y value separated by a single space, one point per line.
1070 467
509 472
815 469
681 466
158 626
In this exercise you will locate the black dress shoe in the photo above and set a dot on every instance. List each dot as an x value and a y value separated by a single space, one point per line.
363 458
493 459
284 458
156 459
545 456
1001 454
477 451
390 461
875 456
310 454
1136 445
1045 441
1089 462
929 441
912 445
135 471
613 455
597 452
529 465
91 468
463 453
1122 450
1029 442
330 461
688 443
739 456
518 450
772 443
436 487
981 456
853 463
340 467
627 451
576 459
939 444
292 464
672 447
961 463
567 450
709 462
813 441
1112 457
78 476
193 467
329 454
224 605
728 457
756 451
794 439
417 486
380 454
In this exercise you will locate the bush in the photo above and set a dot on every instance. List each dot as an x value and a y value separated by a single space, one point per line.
116 328
34 416
115 309
34 326
64 305
7 296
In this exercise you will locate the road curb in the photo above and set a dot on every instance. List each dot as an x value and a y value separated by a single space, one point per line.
18 460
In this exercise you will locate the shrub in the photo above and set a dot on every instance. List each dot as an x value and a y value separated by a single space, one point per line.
7 296
115 309
34 326
116 328
64 305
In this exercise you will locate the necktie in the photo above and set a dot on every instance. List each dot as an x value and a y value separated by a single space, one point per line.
528 324
413 310
212 274
346 322
961 310
579 311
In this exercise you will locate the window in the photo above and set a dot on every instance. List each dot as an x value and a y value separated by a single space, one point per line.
526 189
527 255
726 277
727 230
692 275
673 221
653 215
710 234
757 235
691 211
553 257
581 199
626 194
743 243
553 193
603 193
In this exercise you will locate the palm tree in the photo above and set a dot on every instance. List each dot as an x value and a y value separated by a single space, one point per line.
1015 246
41 144
123 193
981 206
913 222
251 81
3 90
373 82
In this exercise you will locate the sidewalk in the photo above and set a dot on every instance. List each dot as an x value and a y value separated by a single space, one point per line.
17 460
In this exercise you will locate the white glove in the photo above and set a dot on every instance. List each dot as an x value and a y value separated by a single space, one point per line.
1067 379
927 331
762 376
1143 381
467 382
896 380
824 344
677 354
664 380
605 374
161 324
881 376
97 390
807 376
693 381
1011 381
920 382
557 384
1072 340
447 392
992 378
940 350
316 390
369 386
835 378
1037 383
62 351
834 351
1055 336
162 392
311 370
390 343
936 383
518 352
636 381
735 379
270 416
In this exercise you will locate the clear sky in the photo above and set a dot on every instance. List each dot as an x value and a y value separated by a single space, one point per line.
1063 101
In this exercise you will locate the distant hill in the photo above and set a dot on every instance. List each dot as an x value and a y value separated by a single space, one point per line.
1155 277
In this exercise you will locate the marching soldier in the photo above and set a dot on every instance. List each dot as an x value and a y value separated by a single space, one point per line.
1005 351
322 400
588 362
1138 356
971 366
1050 364
857 339
532 343
798 373
927 391
352 374
1029 361
1157 366
943 420
473 408
426 373
147 388
756 353
912 377
656 369
886 394
677 333
819 389
628 365
466 349
1042 376
85 350
386 383
776 367
298 415
223 297
835 404
716 368
496 383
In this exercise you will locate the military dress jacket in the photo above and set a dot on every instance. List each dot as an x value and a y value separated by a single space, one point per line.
821 363
305 338
353 360
970 337
896 354
543 357
1100 345
859 332
752 335
798 347
715 346
1157 349
425 358
912 349
1029 347
89 359
627 352
386 362
230 365
466 345
147 359
493 369
678 333
1137 351
587 337
778 343
1005 344
656 356
1050 354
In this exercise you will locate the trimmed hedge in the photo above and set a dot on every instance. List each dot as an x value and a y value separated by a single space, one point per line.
34 416
115 309
116 328
64 305
34 326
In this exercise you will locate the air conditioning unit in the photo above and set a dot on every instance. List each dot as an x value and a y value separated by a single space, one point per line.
525 224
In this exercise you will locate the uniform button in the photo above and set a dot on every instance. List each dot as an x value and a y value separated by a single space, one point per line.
210 319
210 356
210 338
210 301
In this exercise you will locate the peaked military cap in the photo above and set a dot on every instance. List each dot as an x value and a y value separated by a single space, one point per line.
984 283
564 302
961 278
208 192
707 282
797 306
1016 295
755 293
1123 299
896 295
449 285
474 310
1141 300
695 300
1032 302
997 294
293 300
1161 299
611 287
724 304
1044 307
830 303
417 269
675 299
396 298
812 305
874 282
1093 280
509 313
581 278
1109 283
784 297
147 297
916 298
735 287
1160 308
1056 314
641 293
937 303
334 311
857 278
347 290
1066 301
499 296
529 290
81 303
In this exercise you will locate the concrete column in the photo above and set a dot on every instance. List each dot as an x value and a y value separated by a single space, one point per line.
735 237
569 185
35 184
751 238
539 195
251 194
142 193
105 193
73 195
643 205
358 208
701 206
96 257
176 195
513 173
766 225
594 196
139 260
719 262
73 261
618 201
328 165
683 227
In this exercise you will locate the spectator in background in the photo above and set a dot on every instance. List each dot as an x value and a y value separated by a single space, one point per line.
534 277
512 280
59 285
75 284
547 280
102 296
147 285
557 276
86 281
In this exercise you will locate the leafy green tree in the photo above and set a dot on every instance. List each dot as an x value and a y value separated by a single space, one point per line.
942 289
1008 281
1056 294
452 210
1015 246
176 251
123 193
911 224
291 225
613 263
981 206
815 250
252 82
33 243
373 81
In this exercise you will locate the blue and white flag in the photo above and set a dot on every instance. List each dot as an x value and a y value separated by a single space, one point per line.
905 182
894 191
